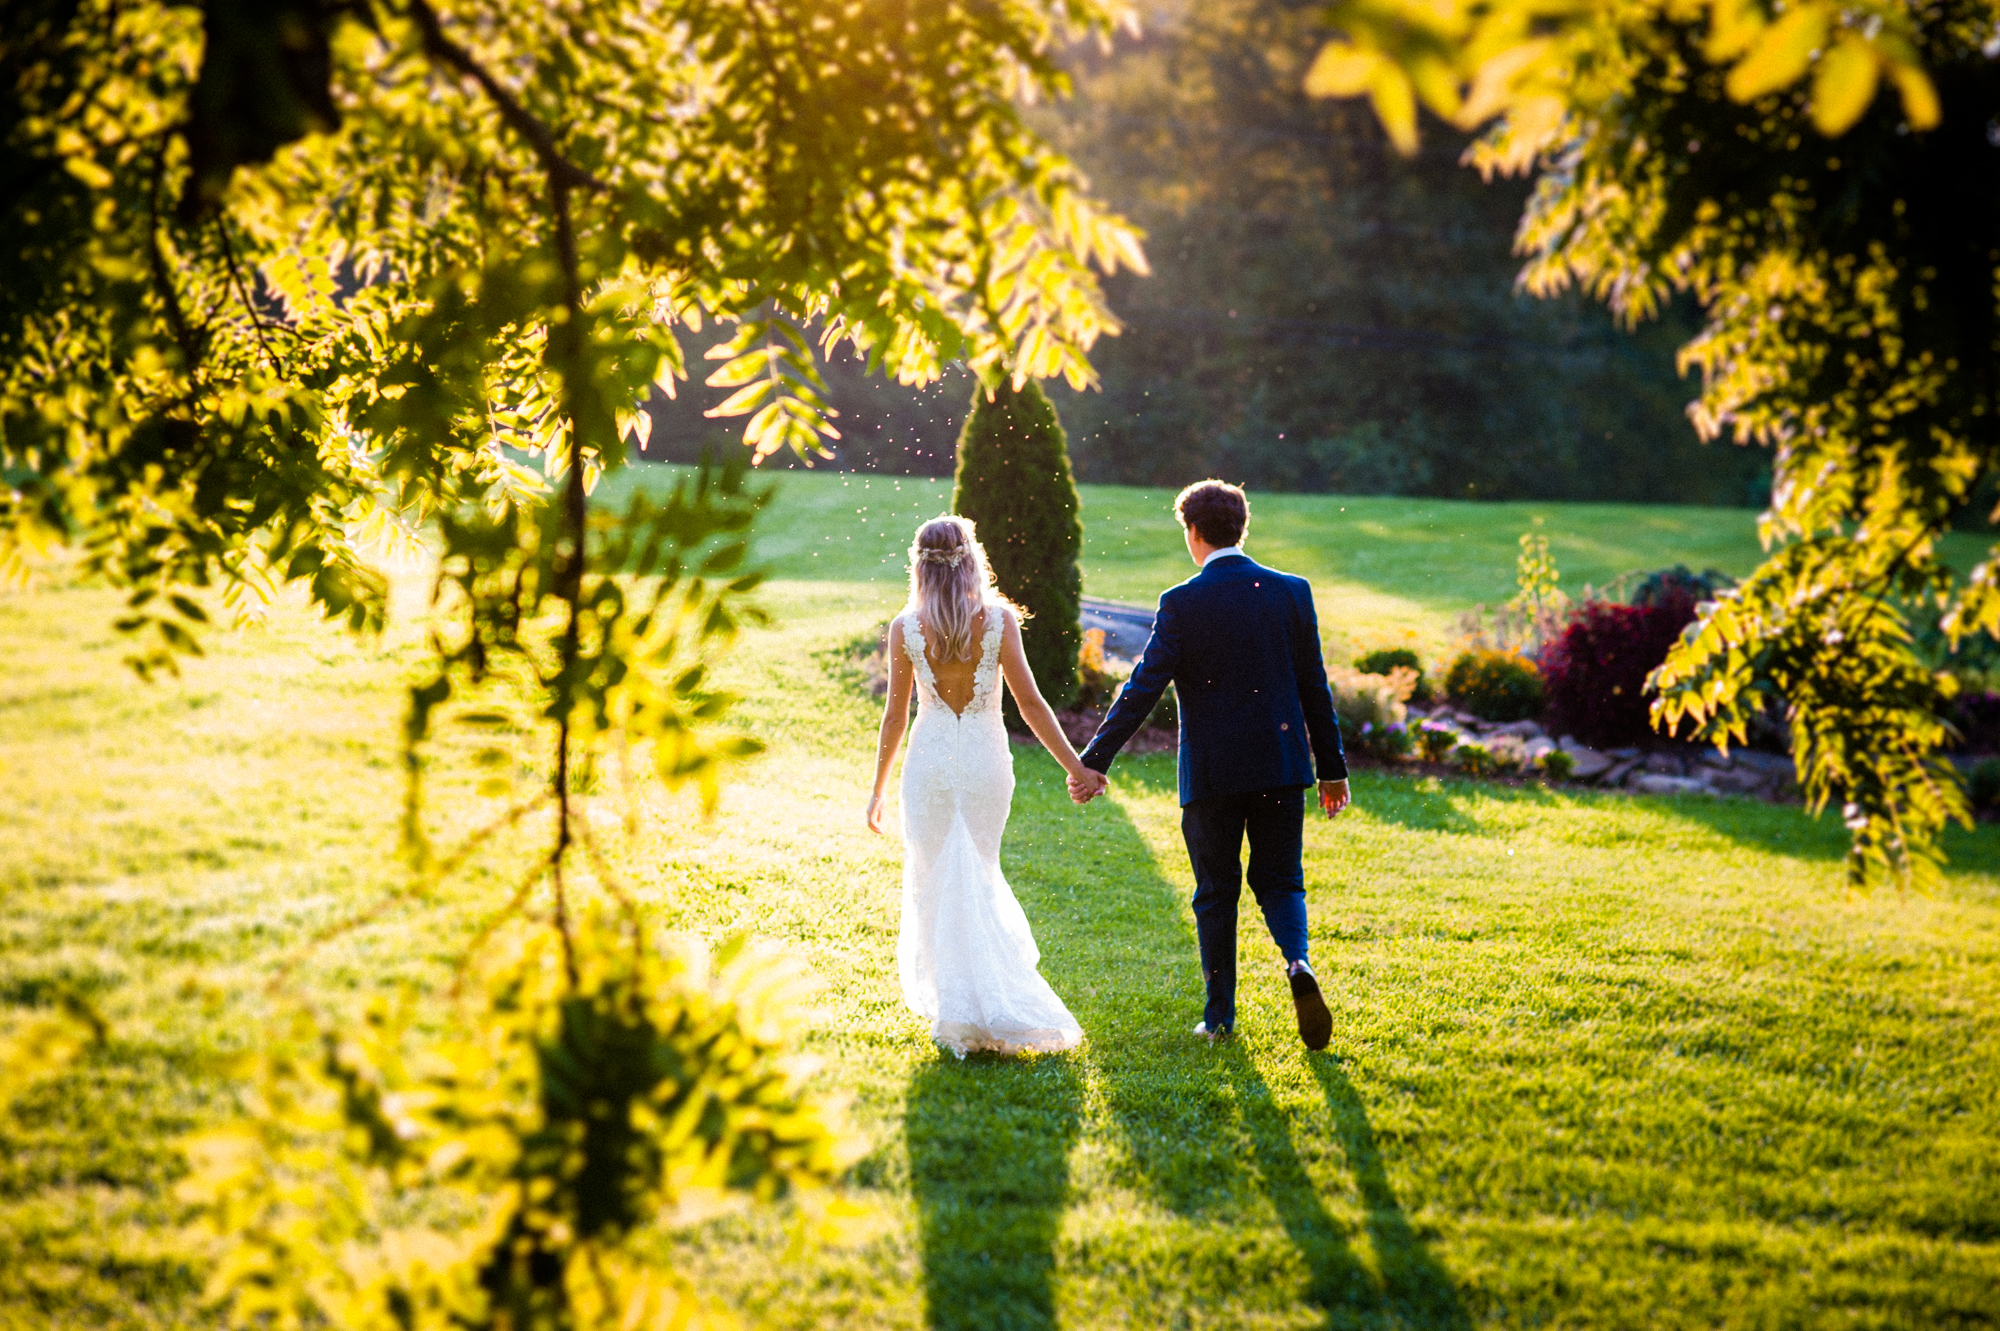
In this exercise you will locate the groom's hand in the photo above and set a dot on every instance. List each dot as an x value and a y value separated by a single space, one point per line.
1333 796
1087 787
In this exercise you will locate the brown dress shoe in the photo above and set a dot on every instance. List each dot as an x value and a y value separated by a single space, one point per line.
1216 1036
1315 1022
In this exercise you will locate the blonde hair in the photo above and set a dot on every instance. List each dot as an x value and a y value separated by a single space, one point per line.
950 581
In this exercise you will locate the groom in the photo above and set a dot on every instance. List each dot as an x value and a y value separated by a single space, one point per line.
1240 643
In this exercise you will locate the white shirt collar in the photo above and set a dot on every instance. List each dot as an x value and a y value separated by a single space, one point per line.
1223 553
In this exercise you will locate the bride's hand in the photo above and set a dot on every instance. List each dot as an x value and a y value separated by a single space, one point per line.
1086 785
875 814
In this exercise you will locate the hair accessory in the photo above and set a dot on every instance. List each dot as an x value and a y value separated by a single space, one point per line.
951 558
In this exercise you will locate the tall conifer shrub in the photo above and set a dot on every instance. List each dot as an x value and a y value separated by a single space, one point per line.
1014 482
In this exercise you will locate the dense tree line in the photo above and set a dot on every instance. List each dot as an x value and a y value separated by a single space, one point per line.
1323 314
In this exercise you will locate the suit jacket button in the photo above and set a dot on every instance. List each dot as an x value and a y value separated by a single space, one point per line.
1284 725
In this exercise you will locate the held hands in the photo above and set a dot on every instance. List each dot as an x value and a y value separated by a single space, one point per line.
1333 796
1086 785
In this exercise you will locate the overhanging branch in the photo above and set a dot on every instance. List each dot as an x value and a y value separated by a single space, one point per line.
517 117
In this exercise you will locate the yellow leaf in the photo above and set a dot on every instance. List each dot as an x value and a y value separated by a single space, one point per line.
1396 107
1844 85
1531 126
1341 70
1733 27
1436 83
766 431
670 368
1780 55
742 400
1494 85
88 171
1920 99
742 370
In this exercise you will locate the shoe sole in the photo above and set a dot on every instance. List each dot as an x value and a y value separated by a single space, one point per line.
1315 1022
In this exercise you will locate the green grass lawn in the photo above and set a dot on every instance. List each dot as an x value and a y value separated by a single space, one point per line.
1598 1061
1381 567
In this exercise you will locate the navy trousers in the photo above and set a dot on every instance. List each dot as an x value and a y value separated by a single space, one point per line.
1214 829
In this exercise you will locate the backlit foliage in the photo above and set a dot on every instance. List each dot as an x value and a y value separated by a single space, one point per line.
232 349
498 1179
285 286
1533 61
1820 179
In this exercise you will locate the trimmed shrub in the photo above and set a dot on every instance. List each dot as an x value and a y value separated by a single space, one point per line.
1597 666
1557 765
1494 685
1014 482
1386 659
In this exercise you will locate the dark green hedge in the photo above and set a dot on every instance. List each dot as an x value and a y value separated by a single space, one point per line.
1014 482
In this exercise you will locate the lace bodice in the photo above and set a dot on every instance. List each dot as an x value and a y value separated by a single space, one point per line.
985 676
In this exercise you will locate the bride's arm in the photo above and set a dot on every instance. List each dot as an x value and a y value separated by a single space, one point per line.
1035 709
895 720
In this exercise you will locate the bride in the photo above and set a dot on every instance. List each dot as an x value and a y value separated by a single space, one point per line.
966 954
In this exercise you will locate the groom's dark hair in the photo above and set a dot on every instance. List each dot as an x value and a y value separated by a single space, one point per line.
1217 510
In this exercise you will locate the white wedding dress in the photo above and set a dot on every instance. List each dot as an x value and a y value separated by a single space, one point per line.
966 956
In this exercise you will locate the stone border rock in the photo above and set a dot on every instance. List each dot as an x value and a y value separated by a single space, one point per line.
1669 767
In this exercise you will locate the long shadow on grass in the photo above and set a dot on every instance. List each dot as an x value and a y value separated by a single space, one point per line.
1786 829
1416 1287
1201 1124
989 1147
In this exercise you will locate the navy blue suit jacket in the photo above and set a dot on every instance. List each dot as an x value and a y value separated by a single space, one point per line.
1240 644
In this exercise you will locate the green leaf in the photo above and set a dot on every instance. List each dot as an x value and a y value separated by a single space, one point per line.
178 638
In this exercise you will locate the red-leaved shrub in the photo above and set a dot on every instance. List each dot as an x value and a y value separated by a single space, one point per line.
1595 670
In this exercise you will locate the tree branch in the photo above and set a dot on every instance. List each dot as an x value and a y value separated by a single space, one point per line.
516 116
243 291
564 177
569 571
184 335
